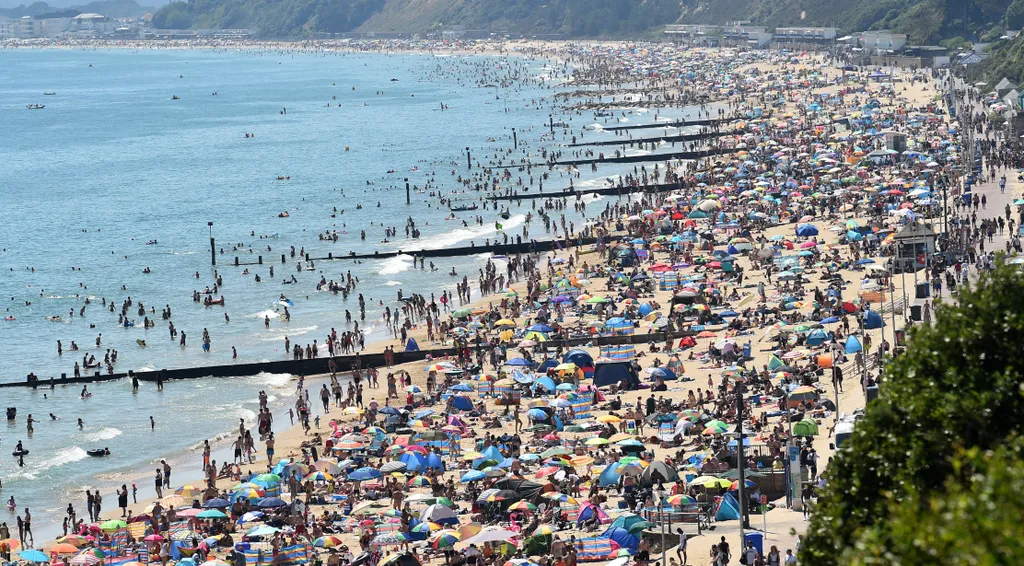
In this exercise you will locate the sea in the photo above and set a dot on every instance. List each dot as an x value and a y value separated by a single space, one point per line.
137 152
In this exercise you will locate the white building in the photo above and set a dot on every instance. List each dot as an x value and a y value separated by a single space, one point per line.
886 40
805 35
92 24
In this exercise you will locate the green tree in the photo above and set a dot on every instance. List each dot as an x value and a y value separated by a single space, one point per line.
958 386
975 520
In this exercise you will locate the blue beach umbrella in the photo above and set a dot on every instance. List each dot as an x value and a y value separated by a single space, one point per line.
363 474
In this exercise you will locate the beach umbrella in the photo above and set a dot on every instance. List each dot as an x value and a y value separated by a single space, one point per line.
153 538
63 548
211 514
681 500
364 474
473 475
33 556
12 544
711 481
544 530
388 539
522 506
420 481
394 466
266 479
555 451
216 503
271 502
86 559
444 539
113 525
609 419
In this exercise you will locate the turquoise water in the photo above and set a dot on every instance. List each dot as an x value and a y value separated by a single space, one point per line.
112 162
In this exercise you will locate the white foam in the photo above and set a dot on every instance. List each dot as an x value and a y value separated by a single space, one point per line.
395 265
266 313
476 233
393 283
274 379
595 127
279 335
105 433
62 457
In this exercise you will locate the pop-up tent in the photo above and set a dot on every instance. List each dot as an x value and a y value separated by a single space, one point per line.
624 538
588 511
728 509
609 373
412 346
872 320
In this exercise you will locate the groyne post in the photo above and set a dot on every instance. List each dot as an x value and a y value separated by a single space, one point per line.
213 246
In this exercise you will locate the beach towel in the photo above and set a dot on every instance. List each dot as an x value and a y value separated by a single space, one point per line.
594 549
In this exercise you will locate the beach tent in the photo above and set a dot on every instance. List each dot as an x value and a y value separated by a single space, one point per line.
412 346
687 342
579 357
461 402
456 421
728 508
816 337
588 511
659 471
413 461
853 345
607 374
545 383
624 538
489 453
664 373
872 320
608 476
546 365
631 522
434 461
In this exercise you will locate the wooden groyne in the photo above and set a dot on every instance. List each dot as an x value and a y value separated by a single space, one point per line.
319 366
576 193
513 248
632 142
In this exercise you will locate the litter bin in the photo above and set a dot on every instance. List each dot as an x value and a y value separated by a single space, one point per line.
921 290
756 538
915 313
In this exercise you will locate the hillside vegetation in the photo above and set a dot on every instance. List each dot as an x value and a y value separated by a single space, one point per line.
924 21
296 18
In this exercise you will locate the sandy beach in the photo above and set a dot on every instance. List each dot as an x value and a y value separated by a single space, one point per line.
769 263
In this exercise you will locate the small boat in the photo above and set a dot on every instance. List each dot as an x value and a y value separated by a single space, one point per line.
98 452
51 93
464 208
36 106
175 97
